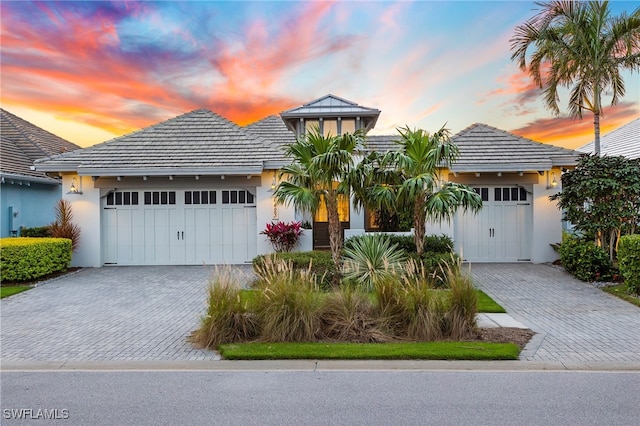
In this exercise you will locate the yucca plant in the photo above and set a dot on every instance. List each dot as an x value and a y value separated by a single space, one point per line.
370 259
228 317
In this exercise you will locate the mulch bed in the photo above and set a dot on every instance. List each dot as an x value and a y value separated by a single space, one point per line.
519 336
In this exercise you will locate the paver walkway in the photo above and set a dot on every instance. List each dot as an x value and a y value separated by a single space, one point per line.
108 314
576 322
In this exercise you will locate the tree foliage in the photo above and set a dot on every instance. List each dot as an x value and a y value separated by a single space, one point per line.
408 179
580 46
317 176
601 198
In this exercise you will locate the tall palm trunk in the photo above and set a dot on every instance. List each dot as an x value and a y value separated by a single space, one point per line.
335 229
419 226
596 121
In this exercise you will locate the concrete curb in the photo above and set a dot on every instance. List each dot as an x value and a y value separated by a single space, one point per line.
313 366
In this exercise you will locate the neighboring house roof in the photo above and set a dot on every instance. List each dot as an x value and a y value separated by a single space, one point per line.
623 141
331 106
199 142
485 148
21 143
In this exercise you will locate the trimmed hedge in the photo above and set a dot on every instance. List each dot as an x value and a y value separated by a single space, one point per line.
629 261
23 259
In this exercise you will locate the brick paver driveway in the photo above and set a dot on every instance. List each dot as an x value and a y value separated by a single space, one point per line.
108 314
576 322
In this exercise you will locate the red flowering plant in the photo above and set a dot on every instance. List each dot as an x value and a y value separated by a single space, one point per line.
283 236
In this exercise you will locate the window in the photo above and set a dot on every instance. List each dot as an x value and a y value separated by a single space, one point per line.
159 197
343 210
200 197
122 198
347 126
310 125
330 128
237 197
510 194
483 193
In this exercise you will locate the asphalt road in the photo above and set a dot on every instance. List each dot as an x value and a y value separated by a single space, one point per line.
321 397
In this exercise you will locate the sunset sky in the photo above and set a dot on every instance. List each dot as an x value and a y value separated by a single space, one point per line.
90 71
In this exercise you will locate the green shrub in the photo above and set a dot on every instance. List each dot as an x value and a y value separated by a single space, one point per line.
432 243
318 263
370 258
229 318
583 259
629 262
438 243
23 259
37 232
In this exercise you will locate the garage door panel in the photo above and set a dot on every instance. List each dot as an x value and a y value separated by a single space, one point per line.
501 231
180 227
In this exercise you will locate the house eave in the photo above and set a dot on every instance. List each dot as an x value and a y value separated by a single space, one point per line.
24 178
170 171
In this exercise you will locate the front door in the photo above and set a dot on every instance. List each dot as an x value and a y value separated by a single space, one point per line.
321 223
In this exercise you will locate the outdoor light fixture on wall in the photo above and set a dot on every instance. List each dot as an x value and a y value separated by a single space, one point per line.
75 187
551 180
273 182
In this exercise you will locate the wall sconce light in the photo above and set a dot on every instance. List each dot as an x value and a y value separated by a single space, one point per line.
553 183
75 187
273 182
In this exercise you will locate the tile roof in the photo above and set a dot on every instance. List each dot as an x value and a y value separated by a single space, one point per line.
486 148
273 130
198 142
330 105
624 141
21 143
382 143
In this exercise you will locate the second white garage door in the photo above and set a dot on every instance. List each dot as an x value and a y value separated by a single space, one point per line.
501 231
179 227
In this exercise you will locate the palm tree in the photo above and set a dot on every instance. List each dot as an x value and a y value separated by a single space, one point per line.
317 177
408 179
579 45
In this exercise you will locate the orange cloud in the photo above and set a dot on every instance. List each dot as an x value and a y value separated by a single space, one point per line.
572 132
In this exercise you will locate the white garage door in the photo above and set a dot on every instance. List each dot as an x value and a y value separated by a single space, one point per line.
179 227
501 231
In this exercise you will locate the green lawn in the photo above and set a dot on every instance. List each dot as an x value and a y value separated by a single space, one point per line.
488 305
387 351
10 291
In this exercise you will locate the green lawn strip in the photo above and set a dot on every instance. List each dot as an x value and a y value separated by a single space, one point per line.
487 305
10 291
620 290
380 351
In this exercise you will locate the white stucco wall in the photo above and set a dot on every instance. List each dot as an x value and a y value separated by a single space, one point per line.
547 224
86 212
